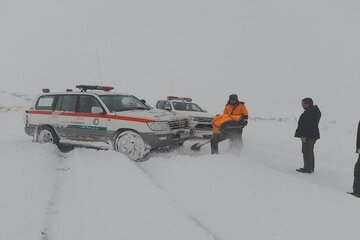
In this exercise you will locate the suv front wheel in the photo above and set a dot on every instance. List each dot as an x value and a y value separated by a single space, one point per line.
132 145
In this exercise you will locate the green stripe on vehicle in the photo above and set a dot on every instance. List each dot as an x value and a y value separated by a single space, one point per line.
87 127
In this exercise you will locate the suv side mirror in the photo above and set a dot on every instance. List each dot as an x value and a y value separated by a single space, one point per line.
97 110
143 101
205 110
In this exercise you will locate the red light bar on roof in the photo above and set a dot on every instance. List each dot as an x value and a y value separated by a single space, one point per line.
188 99
84 88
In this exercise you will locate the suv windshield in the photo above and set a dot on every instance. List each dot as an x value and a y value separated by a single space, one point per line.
118 103
184 106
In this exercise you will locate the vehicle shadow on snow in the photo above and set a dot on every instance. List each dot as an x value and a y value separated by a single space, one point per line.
184 150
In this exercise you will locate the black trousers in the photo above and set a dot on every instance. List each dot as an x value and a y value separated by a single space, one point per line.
356 186
235 139
308 154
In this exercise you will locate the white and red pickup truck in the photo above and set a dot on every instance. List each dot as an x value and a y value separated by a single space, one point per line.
200 118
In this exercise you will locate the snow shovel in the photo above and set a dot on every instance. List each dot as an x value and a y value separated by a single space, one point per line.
197 146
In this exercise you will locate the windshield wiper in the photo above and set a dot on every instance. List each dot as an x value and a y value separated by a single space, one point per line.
123 109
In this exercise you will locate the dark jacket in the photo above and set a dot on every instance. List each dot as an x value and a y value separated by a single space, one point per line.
358 140
308 125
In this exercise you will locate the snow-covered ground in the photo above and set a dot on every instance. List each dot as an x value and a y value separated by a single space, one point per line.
257 194
271 53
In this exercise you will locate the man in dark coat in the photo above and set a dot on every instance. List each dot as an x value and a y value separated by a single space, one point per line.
308 132
356 186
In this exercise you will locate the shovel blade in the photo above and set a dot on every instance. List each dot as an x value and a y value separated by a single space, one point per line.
196 147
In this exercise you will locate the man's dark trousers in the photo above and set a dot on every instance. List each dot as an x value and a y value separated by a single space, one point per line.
356 186
234 135
308 154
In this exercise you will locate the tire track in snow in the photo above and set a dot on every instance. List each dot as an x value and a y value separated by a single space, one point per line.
190 216
52 206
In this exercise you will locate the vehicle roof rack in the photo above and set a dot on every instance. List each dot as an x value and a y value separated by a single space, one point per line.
84 88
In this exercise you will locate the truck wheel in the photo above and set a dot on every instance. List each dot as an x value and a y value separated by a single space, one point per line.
132 145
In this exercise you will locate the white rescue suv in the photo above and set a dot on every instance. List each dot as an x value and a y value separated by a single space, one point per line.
201 120
83 118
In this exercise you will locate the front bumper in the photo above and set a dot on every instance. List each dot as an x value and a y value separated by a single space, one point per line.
203 130
207 134
162 140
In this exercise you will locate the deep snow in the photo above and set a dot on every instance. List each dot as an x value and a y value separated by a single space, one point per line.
89 194
271 53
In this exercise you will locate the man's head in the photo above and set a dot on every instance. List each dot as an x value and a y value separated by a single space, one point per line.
306 103
233 99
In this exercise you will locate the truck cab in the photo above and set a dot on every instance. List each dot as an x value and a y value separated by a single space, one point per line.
200 118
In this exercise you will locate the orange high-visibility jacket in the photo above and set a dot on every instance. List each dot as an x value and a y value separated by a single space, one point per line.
236 112
218 121
231 113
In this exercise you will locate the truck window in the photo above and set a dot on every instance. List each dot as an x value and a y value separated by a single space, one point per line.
160 105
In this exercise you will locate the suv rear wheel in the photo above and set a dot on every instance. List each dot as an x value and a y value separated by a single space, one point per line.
48 135
132 145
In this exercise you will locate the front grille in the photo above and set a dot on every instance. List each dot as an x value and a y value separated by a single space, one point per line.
202 119
202 126
181 123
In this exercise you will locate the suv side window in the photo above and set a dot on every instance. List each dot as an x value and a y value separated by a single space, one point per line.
45 103
68 103
58 103
87 102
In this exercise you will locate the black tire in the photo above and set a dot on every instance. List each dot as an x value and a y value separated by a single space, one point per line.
47 134
132 145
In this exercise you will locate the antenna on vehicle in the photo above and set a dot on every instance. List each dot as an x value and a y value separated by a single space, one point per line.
98 64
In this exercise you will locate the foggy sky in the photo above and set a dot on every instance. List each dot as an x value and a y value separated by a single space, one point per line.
279 50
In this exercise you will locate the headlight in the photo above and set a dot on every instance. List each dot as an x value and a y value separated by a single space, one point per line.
159 126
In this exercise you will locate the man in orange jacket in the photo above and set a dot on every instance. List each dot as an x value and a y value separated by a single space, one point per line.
230 124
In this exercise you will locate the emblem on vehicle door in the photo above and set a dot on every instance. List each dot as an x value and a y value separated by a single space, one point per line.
96 121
